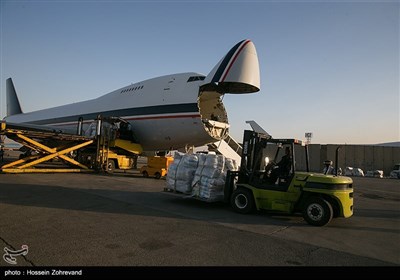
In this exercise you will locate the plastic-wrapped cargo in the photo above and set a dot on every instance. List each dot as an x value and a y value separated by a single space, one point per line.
378 173
201 175
181 172
207 182
395 174
374 173
209 179
369 173
231 164
358 172
348 171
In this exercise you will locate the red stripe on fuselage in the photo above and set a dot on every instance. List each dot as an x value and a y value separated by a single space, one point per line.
164 117
141 118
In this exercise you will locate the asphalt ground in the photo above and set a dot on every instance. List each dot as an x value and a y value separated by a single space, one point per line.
129 221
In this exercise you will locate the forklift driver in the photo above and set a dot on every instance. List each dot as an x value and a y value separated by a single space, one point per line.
282 169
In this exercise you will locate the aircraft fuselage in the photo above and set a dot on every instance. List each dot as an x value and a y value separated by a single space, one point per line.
169 112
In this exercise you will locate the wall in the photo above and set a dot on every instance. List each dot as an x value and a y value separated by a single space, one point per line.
366 157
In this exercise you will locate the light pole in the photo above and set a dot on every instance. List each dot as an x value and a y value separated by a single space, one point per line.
308 136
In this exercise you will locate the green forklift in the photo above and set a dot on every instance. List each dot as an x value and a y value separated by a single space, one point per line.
286 186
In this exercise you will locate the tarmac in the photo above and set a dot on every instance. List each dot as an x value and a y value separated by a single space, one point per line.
127 220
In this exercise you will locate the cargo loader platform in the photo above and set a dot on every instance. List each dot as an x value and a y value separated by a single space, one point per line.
60 144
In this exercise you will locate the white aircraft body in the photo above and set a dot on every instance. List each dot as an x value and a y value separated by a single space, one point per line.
167 112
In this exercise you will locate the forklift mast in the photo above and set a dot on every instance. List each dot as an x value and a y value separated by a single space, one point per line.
253 144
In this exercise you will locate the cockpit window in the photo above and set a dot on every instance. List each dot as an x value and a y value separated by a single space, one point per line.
196 78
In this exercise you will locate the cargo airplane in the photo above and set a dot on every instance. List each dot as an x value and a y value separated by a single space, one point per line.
167 112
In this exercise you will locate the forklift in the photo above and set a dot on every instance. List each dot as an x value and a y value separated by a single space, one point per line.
262 184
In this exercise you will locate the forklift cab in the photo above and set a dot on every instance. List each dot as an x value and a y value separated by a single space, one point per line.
268 163
278 172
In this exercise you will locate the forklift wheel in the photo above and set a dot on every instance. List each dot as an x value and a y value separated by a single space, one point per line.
157 175
317 211
110 167
145 174
242 201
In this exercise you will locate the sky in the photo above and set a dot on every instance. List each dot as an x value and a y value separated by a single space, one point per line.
326 67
